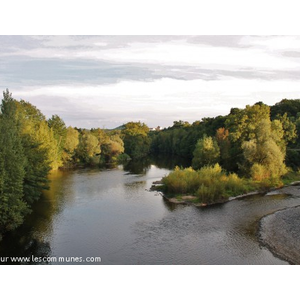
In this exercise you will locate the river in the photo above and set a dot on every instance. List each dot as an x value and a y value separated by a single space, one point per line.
110 217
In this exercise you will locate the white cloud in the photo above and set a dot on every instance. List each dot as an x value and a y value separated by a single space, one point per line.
263 53
273 43
150 101
165 99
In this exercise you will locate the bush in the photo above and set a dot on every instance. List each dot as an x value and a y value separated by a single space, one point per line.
264 177
209 184
181 181
259 172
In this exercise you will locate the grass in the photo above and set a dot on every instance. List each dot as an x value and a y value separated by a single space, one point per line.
290 177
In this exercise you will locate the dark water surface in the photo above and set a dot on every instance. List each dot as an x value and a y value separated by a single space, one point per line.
112 214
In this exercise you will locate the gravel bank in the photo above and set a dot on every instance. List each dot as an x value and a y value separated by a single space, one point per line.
280 232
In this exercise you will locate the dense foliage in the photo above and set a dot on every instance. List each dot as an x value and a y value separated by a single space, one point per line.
136 139
31 146
209 184
259 143
207 152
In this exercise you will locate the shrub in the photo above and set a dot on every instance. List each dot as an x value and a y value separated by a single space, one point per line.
209 184
259 172
181 181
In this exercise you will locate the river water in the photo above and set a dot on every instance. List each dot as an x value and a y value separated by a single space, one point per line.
90 214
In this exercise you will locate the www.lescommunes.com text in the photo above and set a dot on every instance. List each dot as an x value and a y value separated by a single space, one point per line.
49 259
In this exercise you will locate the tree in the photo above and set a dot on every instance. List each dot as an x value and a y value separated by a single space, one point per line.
70 145
113 147
242 125
59 129
207 152
222 138
288 106
37 142
12 168
88 147
136 139
37 168
33 124
289 127
263 153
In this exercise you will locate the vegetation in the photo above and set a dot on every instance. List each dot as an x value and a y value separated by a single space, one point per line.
136 139
209 184
31 146
207 152
256 146
250 148
12 169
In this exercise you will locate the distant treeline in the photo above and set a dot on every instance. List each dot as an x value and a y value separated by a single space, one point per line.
250 148
257 141
238 140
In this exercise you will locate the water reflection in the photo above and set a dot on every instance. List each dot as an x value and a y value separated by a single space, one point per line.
142 166
138 166
32 238
171 161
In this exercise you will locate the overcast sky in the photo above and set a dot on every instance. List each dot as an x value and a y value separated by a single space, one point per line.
105 81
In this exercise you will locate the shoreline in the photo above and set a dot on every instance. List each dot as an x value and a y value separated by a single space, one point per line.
186 199
279 231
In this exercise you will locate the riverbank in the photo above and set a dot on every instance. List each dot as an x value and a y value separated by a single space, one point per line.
193 200
292 189
280 231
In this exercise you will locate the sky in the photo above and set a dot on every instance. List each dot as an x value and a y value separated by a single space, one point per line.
106 81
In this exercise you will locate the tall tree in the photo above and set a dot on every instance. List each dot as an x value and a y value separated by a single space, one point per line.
207 152
242 125
136 139
12 168
34 124
59 130
222 138
87 148
264 154
70 145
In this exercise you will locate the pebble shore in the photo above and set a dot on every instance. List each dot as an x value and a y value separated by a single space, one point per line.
280 231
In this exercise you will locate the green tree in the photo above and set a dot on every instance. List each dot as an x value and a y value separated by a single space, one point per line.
264 154
288 106
59 130
12 168
222 138
207 152
242 123
113 147
33 124
37 168
87 148
136 139
38 143
70 145
242 126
